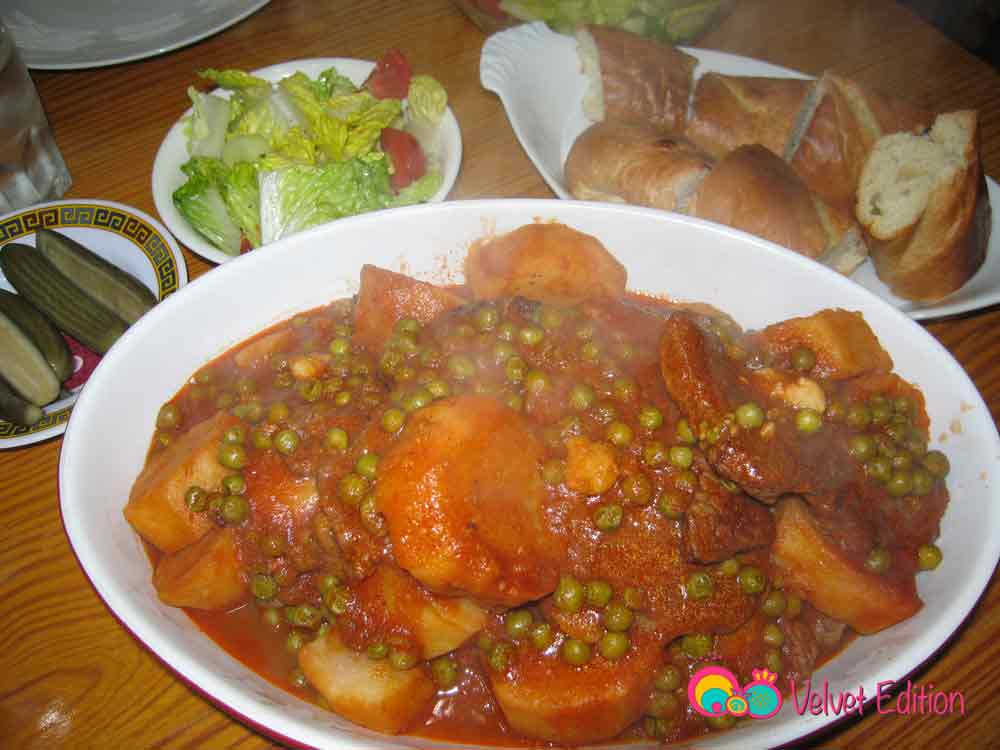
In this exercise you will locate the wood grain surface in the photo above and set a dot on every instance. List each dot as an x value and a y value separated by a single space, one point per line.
72 677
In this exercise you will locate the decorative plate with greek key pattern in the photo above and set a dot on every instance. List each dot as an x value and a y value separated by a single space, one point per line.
125 236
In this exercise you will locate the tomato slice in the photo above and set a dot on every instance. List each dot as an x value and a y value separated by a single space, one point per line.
391 77
408 158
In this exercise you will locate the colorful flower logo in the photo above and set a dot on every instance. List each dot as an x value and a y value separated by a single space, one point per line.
715 691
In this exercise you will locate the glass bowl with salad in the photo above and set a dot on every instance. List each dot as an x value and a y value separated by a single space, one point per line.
674 21
271 152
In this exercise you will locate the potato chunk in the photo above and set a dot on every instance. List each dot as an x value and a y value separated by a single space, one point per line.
386 297
206 575
844 344
546 262
810 563
156 506
461 492
390 598
368 692
545 698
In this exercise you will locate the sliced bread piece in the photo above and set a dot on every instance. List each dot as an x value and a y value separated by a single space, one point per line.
634 78
923 200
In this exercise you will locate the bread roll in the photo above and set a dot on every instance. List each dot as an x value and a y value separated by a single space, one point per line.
846 119
732 111
923 200
638 164
754 190
635 78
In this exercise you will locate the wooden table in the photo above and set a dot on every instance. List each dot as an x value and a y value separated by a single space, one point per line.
71 676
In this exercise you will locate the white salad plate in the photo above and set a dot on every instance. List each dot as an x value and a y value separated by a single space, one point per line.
536 72
72 34
173 152
131 239
665 254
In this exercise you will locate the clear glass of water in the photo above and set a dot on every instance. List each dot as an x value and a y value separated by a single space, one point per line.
32 169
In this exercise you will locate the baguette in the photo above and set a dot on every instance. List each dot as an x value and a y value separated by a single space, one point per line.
638 164
732 111
923 200
634 78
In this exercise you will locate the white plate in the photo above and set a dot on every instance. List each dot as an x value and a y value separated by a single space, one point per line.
71 34
131 239
167 175
300 273
536 73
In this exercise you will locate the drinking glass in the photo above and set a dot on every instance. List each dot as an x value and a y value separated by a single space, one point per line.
32 169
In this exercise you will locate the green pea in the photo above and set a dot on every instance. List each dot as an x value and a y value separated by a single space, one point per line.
613 646
808 420
923 482
270 617
618 433
499 656
287 442
650 417
879 468
234 435
234 484
900 483
879 560
637 489
234 509
681 456
168 417
598 593
929 556
367 465
531 335
772 658
575 652
551 318
336 439
699 585
590 351
377 651
304 616
617 617
536 381
773 635
664 705
721 723
516 369
655 728
553 471
881 412
749 416
858 416
751 579
608 517
581 396
503 351
327 582
803 358
541 636
730 567
518 622
668 679
506 331
569 595
343 398
774 603
393 419
487 318
633 598
408 325
444 670
196 499
684 433
625 389
233 455
438 388
861 447
402 659
793 606
353 488
263 586
261 440
937 464
461 367
671 506
696 645
654 453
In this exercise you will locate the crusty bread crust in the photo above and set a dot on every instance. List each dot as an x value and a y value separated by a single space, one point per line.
931 257
753 189
644 81
638 164
732 111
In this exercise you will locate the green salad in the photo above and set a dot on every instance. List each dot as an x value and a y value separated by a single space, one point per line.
274 159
